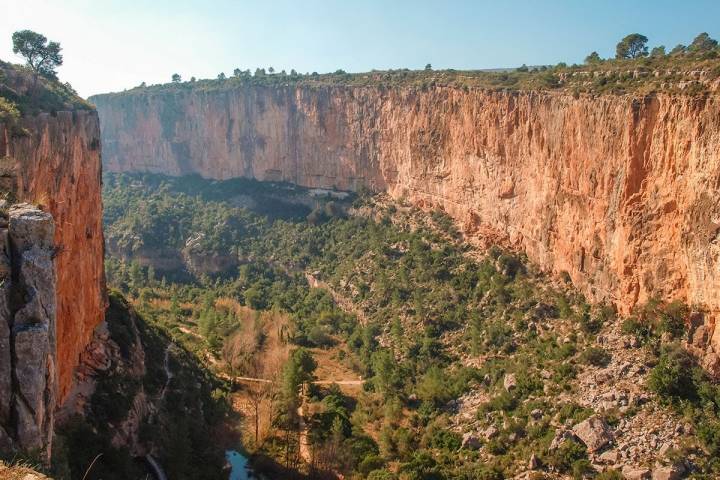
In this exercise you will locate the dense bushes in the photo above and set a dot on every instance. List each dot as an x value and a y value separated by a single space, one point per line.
421 303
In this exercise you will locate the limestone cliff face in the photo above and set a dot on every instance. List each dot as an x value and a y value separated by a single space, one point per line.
56 164
620 192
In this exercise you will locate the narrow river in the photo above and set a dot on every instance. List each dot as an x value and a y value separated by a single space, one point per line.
239 466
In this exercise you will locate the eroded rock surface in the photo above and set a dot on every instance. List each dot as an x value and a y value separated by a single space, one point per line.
620 192
56 164
28 373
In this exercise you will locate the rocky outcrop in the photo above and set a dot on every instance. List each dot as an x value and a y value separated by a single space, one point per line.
28 376
55 162
620 192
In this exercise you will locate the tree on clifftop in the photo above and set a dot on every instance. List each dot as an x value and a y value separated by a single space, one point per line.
703 43
41 56
593 58
176 78
632 46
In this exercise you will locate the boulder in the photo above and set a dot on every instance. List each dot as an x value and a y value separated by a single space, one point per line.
470 441
610 457
534 462
635 473
593 432
510 382
711 363
672 472
490 432
560 437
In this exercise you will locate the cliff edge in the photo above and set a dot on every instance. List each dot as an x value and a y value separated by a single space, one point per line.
619 191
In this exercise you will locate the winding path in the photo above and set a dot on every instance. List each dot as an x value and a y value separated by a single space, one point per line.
314 382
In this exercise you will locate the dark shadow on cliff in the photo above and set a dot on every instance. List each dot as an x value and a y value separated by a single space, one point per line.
156 398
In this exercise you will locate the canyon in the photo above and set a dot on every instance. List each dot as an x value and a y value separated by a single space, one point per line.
617 191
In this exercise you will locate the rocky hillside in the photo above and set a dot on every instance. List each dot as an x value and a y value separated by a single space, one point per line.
615 190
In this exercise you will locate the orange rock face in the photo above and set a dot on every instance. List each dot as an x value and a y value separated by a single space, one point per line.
57 165
620 192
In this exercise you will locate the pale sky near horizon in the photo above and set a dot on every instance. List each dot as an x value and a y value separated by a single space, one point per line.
111 45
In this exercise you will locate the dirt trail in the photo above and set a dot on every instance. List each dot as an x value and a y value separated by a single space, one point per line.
304 439
315 382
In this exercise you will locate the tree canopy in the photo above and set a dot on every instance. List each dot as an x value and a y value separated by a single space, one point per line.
632 46
703 43
594 57
41 56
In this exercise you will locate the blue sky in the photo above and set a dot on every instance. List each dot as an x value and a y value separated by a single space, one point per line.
110 45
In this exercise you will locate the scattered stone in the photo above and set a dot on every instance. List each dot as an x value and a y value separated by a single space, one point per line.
593 432
560 437
664 449
470 441
673 472
635 473
534 462
700 337
490 432
610 457
536 414
510 382
711 363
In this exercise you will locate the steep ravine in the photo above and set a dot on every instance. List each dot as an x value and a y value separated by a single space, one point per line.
619 192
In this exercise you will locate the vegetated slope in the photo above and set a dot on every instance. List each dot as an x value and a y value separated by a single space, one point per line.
149 397
475 366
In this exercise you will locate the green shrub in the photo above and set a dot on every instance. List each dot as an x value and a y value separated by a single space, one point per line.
566 455
596 356
672 378
370 463
582 469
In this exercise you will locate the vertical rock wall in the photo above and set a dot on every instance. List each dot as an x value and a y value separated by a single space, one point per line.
621 192
56 164
28 374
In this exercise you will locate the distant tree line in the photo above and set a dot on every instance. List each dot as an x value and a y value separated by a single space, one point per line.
635 46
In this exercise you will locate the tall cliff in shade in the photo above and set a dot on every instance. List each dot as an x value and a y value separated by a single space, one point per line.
621 192
56 163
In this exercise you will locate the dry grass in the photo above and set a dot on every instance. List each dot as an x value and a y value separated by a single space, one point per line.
19 472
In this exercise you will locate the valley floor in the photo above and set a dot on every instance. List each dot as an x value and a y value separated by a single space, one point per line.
365 339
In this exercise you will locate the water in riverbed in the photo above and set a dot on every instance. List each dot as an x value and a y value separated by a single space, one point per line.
239 466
